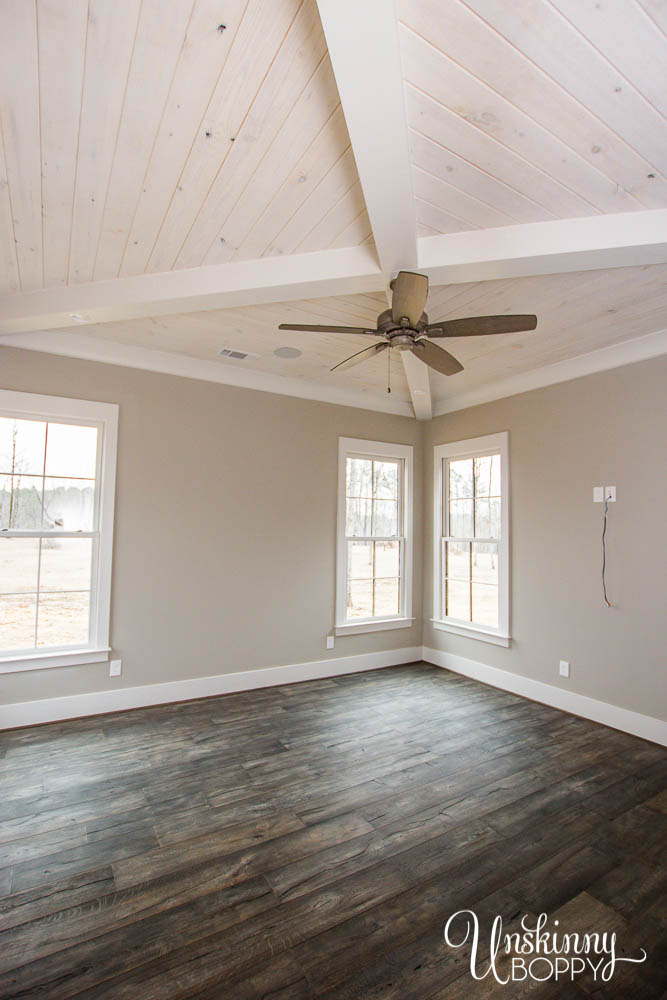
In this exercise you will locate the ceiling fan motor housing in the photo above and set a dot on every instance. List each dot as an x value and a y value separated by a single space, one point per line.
403 335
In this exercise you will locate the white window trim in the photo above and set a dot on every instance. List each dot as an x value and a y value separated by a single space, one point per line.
374 449
105 417
490 443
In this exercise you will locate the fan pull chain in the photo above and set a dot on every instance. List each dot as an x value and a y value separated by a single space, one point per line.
389 370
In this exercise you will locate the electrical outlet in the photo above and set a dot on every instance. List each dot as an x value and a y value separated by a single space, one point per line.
115 668
330 642
598 494
610 494
564 668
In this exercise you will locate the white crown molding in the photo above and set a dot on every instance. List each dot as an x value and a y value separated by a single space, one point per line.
72 345
644 726
626 353
31 713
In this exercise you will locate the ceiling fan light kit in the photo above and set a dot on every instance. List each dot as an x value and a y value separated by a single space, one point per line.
405 327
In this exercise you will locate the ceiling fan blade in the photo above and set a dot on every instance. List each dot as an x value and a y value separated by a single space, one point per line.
410 292
360 330
355 359
436 357
481 326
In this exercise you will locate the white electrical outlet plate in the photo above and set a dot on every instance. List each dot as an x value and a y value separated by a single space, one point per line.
610 494
330 642
115 668
564 668
598 494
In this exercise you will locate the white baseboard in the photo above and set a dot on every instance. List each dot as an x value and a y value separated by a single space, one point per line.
645 726
30 713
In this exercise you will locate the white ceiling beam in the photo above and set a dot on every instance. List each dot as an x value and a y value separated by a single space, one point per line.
627 239
419 384
223 286
363 44
362 38
601 241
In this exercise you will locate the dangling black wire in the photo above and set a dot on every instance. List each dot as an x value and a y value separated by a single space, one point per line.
389 371
604 552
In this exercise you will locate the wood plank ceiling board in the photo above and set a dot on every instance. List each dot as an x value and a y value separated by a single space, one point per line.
112 29
657 11
295 100
171 134
195 92
577 313
19 114
9 268
160 37
61 28
255 330
544 36
512 105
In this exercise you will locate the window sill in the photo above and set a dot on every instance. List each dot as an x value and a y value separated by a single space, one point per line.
40 661
374 626
473 632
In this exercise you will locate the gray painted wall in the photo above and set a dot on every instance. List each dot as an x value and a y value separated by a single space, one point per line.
239 571
605 429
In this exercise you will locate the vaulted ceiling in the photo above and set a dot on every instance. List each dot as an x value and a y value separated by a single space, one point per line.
179 177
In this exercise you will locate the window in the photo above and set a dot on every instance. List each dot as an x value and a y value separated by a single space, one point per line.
471 585
374 577
57 471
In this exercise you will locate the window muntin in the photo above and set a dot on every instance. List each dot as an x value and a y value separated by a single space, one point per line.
373 513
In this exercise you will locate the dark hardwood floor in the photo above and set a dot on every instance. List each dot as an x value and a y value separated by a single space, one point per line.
311 841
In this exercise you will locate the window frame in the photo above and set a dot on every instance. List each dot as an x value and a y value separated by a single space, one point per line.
378 450
104 416
489 444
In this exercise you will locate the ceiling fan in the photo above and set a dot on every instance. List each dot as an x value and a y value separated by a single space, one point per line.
406 327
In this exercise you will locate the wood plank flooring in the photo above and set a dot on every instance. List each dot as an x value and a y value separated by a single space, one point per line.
311 840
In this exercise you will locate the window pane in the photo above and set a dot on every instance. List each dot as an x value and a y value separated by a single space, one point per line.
359 560
387 559
359 598
485 563
483 476
386 597
20 502
485 605
359 477
17 622
71 451
495 476
63 619
458 560
69 504
358 517
460 518
487 518
22 446
66 564
458 600
19 561
460 478
385 480
385 517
